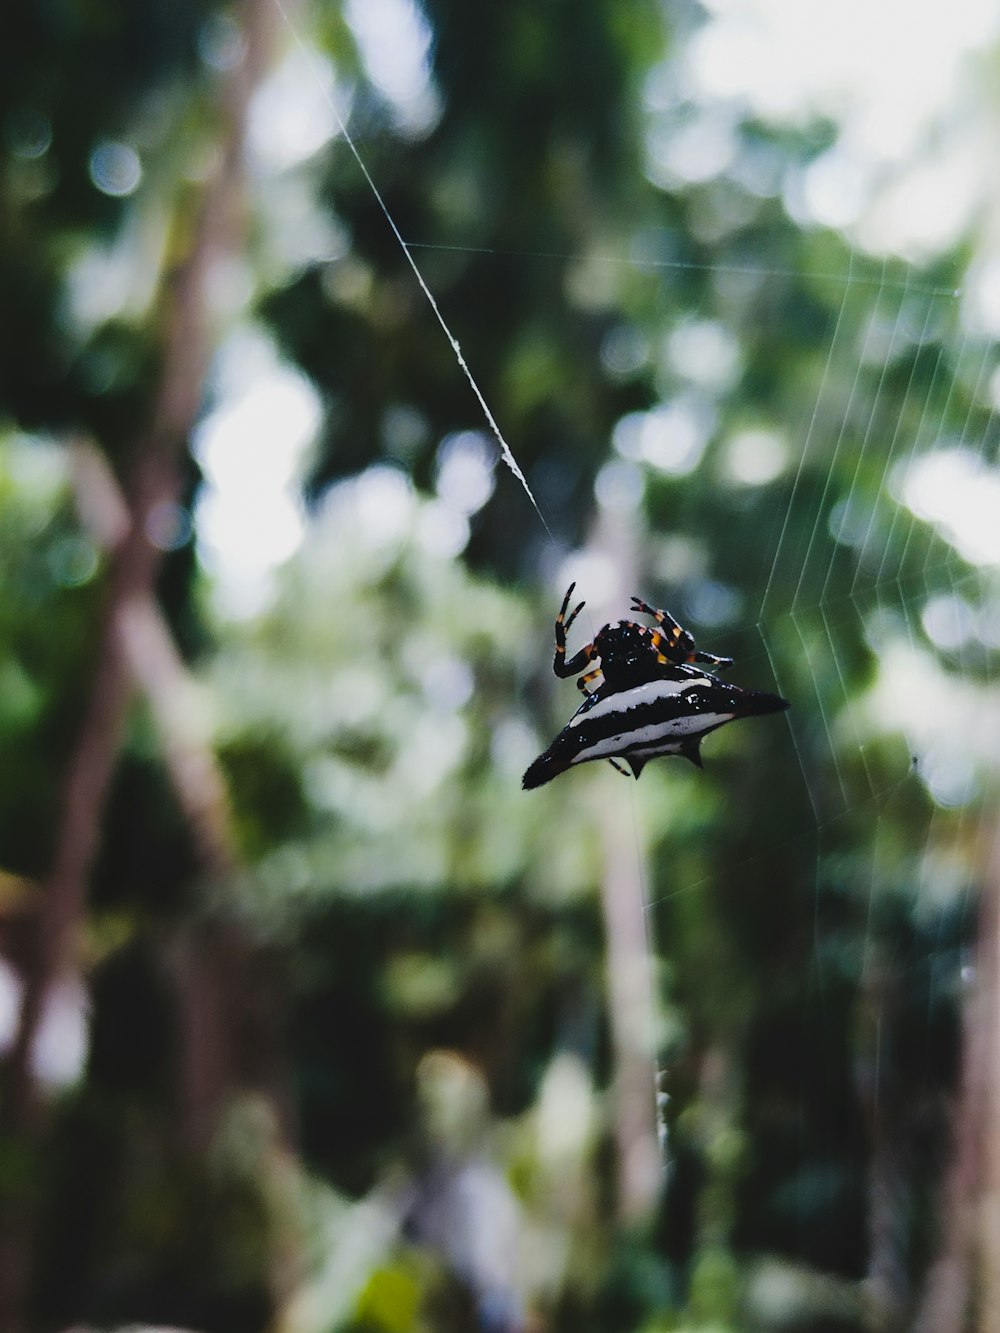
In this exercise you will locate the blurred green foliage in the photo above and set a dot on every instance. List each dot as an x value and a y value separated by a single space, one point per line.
809 903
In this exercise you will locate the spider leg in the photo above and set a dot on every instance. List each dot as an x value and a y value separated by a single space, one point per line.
618 768
562 610
657 643
572 666
560 665
662 649
680 643
584 681
710 659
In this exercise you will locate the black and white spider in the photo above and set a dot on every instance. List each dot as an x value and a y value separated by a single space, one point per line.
649 697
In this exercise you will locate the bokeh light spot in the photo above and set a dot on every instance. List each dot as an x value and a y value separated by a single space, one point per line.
115 168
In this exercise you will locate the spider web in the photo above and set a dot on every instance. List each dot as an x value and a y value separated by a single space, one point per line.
899 774
902 572
893 776
900 562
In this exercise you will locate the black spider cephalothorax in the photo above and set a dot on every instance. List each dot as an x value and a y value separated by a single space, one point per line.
649 696
628 652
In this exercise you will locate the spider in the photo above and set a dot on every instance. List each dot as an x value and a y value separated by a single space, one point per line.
627 648
649 696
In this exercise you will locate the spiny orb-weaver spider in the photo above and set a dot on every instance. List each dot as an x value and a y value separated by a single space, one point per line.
649 697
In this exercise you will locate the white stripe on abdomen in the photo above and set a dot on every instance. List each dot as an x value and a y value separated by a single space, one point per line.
650 693
657 736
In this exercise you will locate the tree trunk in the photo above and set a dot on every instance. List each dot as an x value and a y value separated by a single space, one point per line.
154 481
630 980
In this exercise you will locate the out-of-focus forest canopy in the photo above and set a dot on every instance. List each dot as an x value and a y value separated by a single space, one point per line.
312 1020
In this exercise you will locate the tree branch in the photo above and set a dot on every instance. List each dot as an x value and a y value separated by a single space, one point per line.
157 670
128 636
